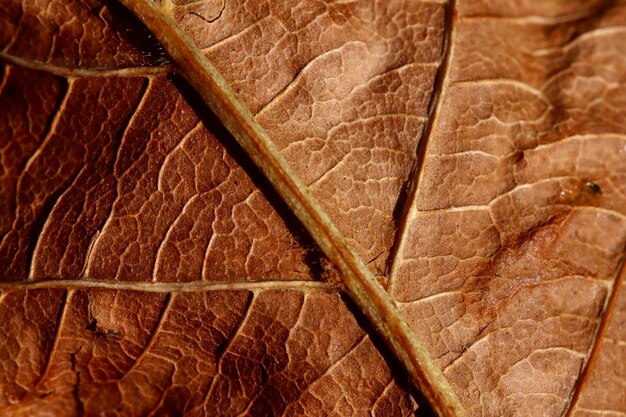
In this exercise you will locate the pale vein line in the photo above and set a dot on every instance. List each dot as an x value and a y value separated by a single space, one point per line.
488 205
610 413
46 138
150 343
167 302
179 145
160 188
436 105
88 253
430 297
218 364
564 278
564 349
385 390
340 162
85 72
574 138
471 153
398 69
300 74
129 124
360 120
620 343
483 339
57 331
16 34
189 5
214 235
329 370
598 339
556 143
5 78
53 127
526 358
537 19
165 240
46 224
235 35
484 334
260 391
173 287
144 97
504 82
603 210
589 35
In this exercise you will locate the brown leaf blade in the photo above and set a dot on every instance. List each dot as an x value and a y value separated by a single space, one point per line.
142 257
158 353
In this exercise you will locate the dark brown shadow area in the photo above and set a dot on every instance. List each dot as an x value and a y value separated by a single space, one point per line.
133 31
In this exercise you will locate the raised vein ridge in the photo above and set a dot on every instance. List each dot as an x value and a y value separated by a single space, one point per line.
360 284
441 81
594 351
191 286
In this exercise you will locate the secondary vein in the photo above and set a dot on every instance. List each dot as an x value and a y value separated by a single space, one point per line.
441 81
168 287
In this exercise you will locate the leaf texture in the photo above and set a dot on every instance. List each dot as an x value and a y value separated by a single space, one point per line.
471 153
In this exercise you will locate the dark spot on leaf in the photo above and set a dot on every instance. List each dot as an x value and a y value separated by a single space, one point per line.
593 188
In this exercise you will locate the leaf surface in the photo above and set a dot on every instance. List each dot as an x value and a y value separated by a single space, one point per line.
472 155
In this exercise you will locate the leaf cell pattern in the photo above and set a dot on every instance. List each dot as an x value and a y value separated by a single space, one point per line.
473 154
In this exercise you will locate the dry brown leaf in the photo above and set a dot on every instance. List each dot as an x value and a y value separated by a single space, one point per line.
472 154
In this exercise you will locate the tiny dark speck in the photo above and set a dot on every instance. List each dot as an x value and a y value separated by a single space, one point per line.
593 188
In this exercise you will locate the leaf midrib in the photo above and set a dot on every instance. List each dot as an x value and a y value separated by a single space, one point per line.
360 283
